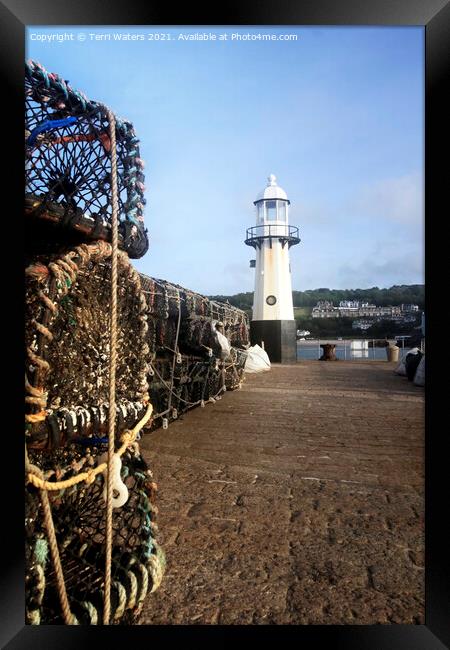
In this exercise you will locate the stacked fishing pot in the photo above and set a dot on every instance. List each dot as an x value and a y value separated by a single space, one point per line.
175 350
68 297
68 168
198 348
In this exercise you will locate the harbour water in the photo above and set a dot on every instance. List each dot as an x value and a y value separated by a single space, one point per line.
312 350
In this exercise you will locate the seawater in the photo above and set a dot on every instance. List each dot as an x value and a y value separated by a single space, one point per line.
377 354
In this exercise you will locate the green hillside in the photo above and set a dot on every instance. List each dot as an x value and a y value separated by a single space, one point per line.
305 300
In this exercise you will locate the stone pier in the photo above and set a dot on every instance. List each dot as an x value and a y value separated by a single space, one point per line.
297 500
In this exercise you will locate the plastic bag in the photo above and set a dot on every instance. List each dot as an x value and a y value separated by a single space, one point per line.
412 361
257 360
401 369
224 344
419 377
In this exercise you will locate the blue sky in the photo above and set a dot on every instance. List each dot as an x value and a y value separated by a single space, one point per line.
336 115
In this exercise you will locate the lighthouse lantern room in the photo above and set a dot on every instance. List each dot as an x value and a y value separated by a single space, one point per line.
273 324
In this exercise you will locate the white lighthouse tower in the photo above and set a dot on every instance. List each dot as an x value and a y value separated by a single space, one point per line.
273 312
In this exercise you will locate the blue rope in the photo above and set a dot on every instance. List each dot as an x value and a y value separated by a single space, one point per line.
48 125
91 441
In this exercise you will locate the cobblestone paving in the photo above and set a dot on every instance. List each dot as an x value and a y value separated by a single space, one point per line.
296 500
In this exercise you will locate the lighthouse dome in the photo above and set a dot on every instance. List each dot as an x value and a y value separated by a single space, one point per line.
272 190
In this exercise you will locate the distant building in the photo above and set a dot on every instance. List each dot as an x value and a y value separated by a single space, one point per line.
364 310
349 304
351 308
325 309
361 324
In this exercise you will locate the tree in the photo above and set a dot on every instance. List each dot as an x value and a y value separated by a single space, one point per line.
395 295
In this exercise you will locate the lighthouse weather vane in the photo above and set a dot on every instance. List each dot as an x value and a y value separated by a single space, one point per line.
273 322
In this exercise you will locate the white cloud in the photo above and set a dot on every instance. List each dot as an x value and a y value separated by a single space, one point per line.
406 267
399 199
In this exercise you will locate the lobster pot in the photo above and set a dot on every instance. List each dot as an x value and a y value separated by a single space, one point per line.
169 312
234 369
197 319
67 345
68 154
186 332
67 394
79 518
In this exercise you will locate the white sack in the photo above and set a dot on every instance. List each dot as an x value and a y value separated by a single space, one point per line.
224 344
419 377
257 360
401 369
222 340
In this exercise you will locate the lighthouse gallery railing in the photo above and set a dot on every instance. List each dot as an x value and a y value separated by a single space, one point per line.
283 232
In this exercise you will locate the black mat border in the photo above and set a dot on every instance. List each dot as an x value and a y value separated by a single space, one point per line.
435 16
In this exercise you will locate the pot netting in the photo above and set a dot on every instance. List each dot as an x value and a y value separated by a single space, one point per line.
67 344
67 367
79 519
68 165
188 364
234 368
200 319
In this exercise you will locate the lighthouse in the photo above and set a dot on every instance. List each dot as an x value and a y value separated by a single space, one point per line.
273 325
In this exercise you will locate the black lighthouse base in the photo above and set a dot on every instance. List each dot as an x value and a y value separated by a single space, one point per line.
279 336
